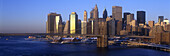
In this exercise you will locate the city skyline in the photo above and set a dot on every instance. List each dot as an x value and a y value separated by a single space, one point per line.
24 24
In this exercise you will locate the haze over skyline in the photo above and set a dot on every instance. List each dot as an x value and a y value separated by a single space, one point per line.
21 16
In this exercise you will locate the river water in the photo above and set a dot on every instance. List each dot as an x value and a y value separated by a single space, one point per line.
18 46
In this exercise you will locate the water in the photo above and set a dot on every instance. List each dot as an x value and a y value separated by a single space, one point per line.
18 46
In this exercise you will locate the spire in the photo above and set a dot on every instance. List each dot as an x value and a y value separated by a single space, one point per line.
96 7
105 13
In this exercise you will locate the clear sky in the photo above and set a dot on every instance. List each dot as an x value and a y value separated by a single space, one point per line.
21 16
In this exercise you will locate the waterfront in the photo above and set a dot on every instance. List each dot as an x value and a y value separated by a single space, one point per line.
18 46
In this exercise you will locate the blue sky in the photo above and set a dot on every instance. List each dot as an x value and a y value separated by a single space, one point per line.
20 16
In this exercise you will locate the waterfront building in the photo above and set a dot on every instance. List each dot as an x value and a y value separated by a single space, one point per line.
89 27
83 27
105 13
151 23
128 28
53 23
166 20
141 17
79 27
125 19
130 17
155 32
73 23
119 27
117 13
110 26
94 19
67 27
161 37
85 15
160 19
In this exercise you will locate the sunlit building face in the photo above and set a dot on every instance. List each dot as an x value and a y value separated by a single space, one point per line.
57 18
73 22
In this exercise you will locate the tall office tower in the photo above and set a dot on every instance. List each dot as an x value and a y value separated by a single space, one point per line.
125 19
117 13
105 13
94 20
151 23
166 20
89 27
79 27
160 19
73 23
54 20
110 26
130 17
67 27
83 27
85 15
96 13
141 17
119 27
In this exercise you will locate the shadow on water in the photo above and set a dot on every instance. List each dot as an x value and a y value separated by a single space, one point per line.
102 51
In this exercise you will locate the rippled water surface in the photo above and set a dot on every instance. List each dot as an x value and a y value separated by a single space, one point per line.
18 46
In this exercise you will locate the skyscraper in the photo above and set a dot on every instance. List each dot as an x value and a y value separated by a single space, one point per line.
130 17
141 17
94 20
160 19
117 13
96 13
110 26
79 27
85 15
105 13
83 27
53 23
73 23
125 17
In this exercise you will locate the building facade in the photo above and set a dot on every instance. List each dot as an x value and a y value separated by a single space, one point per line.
73 23
141 17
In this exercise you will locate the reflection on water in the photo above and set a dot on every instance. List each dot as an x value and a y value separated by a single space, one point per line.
17 45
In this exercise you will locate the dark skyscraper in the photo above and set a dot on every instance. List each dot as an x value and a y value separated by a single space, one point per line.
141 17
105 13
125 17
160 19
